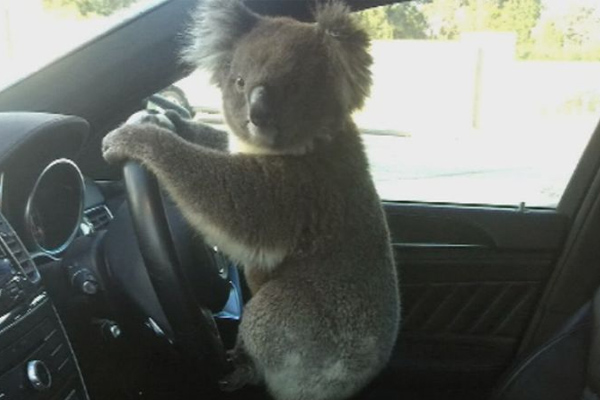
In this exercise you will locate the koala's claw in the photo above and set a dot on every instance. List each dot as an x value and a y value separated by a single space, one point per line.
113 146
128 142
240 377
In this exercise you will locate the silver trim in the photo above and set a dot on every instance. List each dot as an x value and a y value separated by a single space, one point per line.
41 254
33 374
72 394
439 246
88 223
28 206
36 277
150 323
57 349
72 353
5 317
115 331
18 314
1 191
105 207
37 300
89 287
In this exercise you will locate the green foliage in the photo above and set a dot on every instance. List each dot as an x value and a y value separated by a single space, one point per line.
453 17
574 35
446 18
408 21
398 21
482 15
580 25
89 7
375 21
520 16
549 42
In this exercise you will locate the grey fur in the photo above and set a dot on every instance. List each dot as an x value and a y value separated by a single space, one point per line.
216 26
201 134
348 44
298 212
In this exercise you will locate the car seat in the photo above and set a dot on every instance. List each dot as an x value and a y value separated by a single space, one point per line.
567 367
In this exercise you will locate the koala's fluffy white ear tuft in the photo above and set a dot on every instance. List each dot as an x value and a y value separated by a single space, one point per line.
348 46
215 30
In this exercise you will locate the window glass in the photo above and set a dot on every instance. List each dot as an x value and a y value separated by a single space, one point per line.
481 101
35 32
474 101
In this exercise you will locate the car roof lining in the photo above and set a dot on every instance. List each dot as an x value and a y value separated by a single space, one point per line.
303 9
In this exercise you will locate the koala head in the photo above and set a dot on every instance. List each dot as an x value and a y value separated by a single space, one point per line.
286 84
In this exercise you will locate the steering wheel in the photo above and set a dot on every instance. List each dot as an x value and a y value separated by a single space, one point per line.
193 328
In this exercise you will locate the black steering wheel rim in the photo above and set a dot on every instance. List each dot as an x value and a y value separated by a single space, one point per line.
193 326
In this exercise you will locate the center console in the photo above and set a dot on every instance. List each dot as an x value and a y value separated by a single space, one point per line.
36 359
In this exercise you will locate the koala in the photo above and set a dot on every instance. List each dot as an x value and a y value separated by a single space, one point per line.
286 194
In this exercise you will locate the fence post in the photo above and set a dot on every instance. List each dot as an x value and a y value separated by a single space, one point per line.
494 62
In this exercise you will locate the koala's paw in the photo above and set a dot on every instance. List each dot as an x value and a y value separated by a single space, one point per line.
127 142
240 377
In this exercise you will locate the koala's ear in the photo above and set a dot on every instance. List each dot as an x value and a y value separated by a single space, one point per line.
216 28
348 45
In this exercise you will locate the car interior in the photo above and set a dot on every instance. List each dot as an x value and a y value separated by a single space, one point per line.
105 293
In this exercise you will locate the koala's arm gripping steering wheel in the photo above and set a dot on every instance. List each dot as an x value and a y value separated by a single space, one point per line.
193 326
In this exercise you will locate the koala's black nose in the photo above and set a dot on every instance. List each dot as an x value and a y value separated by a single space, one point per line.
260 110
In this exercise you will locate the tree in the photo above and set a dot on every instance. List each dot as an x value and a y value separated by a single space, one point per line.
87 7
520 16
482 15
573 36
582 33
398 21
408 21
450 18
444 17
375 21
581 25
549 42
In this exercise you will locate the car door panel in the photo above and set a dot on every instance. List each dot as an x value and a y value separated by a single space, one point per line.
470 280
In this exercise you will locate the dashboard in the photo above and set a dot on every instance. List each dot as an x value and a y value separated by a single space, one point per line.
66 260
43 193
45 203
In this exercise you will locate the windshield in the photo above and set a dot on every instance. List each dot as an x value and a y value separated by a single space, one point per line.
473 101
33 33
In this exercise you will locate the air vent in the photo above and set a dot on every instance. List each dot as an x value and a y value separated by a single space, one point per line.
98 217
15 249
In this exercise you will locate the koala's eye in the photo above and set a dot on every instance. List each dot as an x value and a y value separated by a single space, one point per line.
240 83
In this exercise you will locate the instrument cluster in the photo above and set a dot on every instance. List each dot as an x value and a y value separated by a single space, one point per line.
54 208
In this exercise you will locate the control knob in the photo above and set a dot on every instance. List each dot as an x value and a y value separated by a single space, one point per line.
39 375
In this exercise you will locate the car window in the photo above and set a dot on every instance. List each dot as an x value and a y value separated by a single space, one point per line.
35 32
473 102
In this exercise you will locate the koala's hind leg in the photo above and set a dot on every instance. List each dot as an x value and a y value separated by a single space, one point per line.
300 350
244 371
